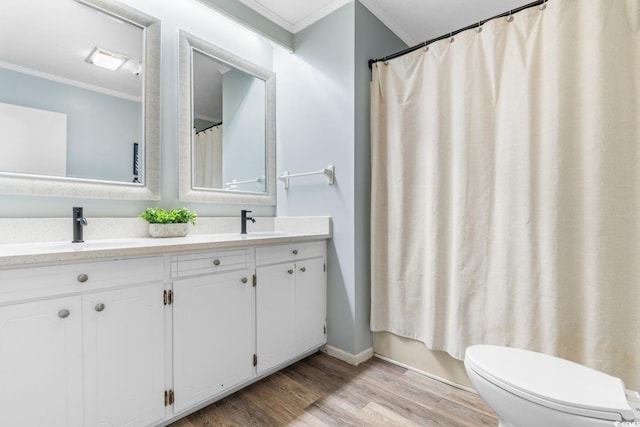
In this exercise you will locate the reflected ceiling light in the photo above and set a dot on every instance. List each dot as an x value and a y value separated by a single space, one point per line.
106 59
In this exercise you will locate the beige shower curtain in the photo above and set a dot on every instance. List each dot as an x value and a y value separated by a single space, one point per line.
506 187
207 158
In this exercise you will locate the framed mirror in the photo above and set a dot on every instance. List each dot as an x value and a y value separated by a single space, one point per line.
227 126
79 100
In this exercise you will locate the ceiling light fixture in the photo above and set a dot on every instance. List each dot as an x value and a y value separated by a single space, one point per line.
106 59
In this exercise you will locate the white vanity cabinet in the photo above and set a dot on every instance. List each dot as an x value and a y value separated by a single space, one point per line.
123 345
290 302
275 314
311 304
82 344
41 369
213 324
146 338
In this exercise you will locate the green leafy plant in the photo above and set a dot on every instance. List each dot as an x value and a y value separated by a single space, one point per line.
173 216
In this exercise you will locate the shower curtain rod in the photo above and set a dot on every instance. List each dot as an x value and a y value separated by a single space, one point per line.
210 127
453 33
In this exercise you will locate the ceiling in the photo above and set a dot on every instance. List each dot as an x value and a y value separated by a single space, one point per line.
53 38
413 21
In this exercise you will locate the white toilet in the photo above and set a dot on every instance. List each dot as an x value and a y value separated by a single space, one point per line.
529 389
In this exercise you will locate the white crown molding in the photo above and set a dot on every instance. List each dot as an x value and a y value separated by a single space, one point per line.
70 82
383 16
295 27
319 14
270 15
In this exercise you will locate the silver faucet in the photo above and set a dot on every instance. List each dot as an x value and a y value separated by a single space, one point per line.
79 221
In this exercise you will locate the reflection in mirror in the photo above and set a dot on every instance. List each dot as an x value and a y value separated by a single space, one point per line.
227 126
79 99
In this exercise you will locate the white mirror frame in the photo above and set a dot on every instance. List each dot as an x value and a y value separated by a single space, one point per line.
188 43
25 184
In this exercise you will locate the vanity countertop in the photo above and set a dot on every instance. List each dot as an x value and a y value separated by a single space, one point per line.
48 252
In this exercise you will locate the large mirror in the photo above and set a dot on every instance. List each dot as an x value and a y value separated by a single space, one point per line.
227 126
79 99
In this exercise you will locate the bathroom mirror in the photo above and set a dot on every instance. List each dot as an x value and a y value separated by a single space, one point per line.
79 100
227 126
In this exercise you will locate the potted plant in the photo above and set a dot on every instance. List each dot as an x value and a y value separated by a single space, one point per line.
168 223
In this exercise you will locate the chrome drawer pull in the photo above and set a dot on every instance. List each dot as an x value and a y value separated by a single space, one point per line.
83 278
295 252
63 314
303 269
216 262
290 271
244 280
99 307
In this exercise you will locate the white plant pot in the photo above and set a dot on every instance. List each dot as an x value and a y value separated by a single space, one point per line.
168 230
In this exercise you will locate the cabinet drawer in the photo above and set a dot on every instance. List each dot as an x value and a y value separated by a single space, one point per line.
37 282
209 262
289 252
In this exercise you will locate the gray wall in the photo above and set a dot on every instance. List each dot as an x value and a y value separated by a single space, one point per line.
315 129
323 96
101 129
373 40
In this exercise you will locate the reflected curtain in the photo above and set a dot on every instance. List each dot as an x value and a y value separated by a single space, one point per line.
505 187
207 158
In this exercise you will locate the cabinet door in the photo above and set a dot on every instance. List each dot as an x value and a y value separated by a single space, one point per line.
275 315
123 339
41 363
311 303
213 335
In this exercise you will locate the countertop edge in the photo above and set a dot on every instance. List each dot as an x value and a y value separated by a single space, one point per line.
142 247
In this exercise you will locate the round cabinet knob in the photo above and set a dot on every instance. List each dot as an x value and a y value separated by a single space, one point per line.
99 307
295 252
63 314
303 269
244 280
290 271
83 278
216 262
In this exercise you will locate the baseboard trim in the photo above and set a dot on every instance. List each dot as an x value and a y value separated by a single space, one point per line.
426 374
352 359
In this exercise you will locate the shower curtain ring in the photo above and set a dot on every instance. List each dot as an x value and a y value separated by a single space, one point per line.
426 47
543 6
510 17
479 29
451 38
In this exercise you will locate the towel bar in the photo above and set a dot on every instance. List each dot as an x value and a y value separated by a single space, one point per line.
231 185
329 171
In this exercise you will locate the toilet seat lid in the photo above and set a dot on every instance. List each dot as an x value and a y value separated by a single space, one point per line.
551 381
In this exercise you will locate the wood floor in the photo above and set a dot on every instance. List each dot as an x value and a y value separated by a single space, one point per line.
323 391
